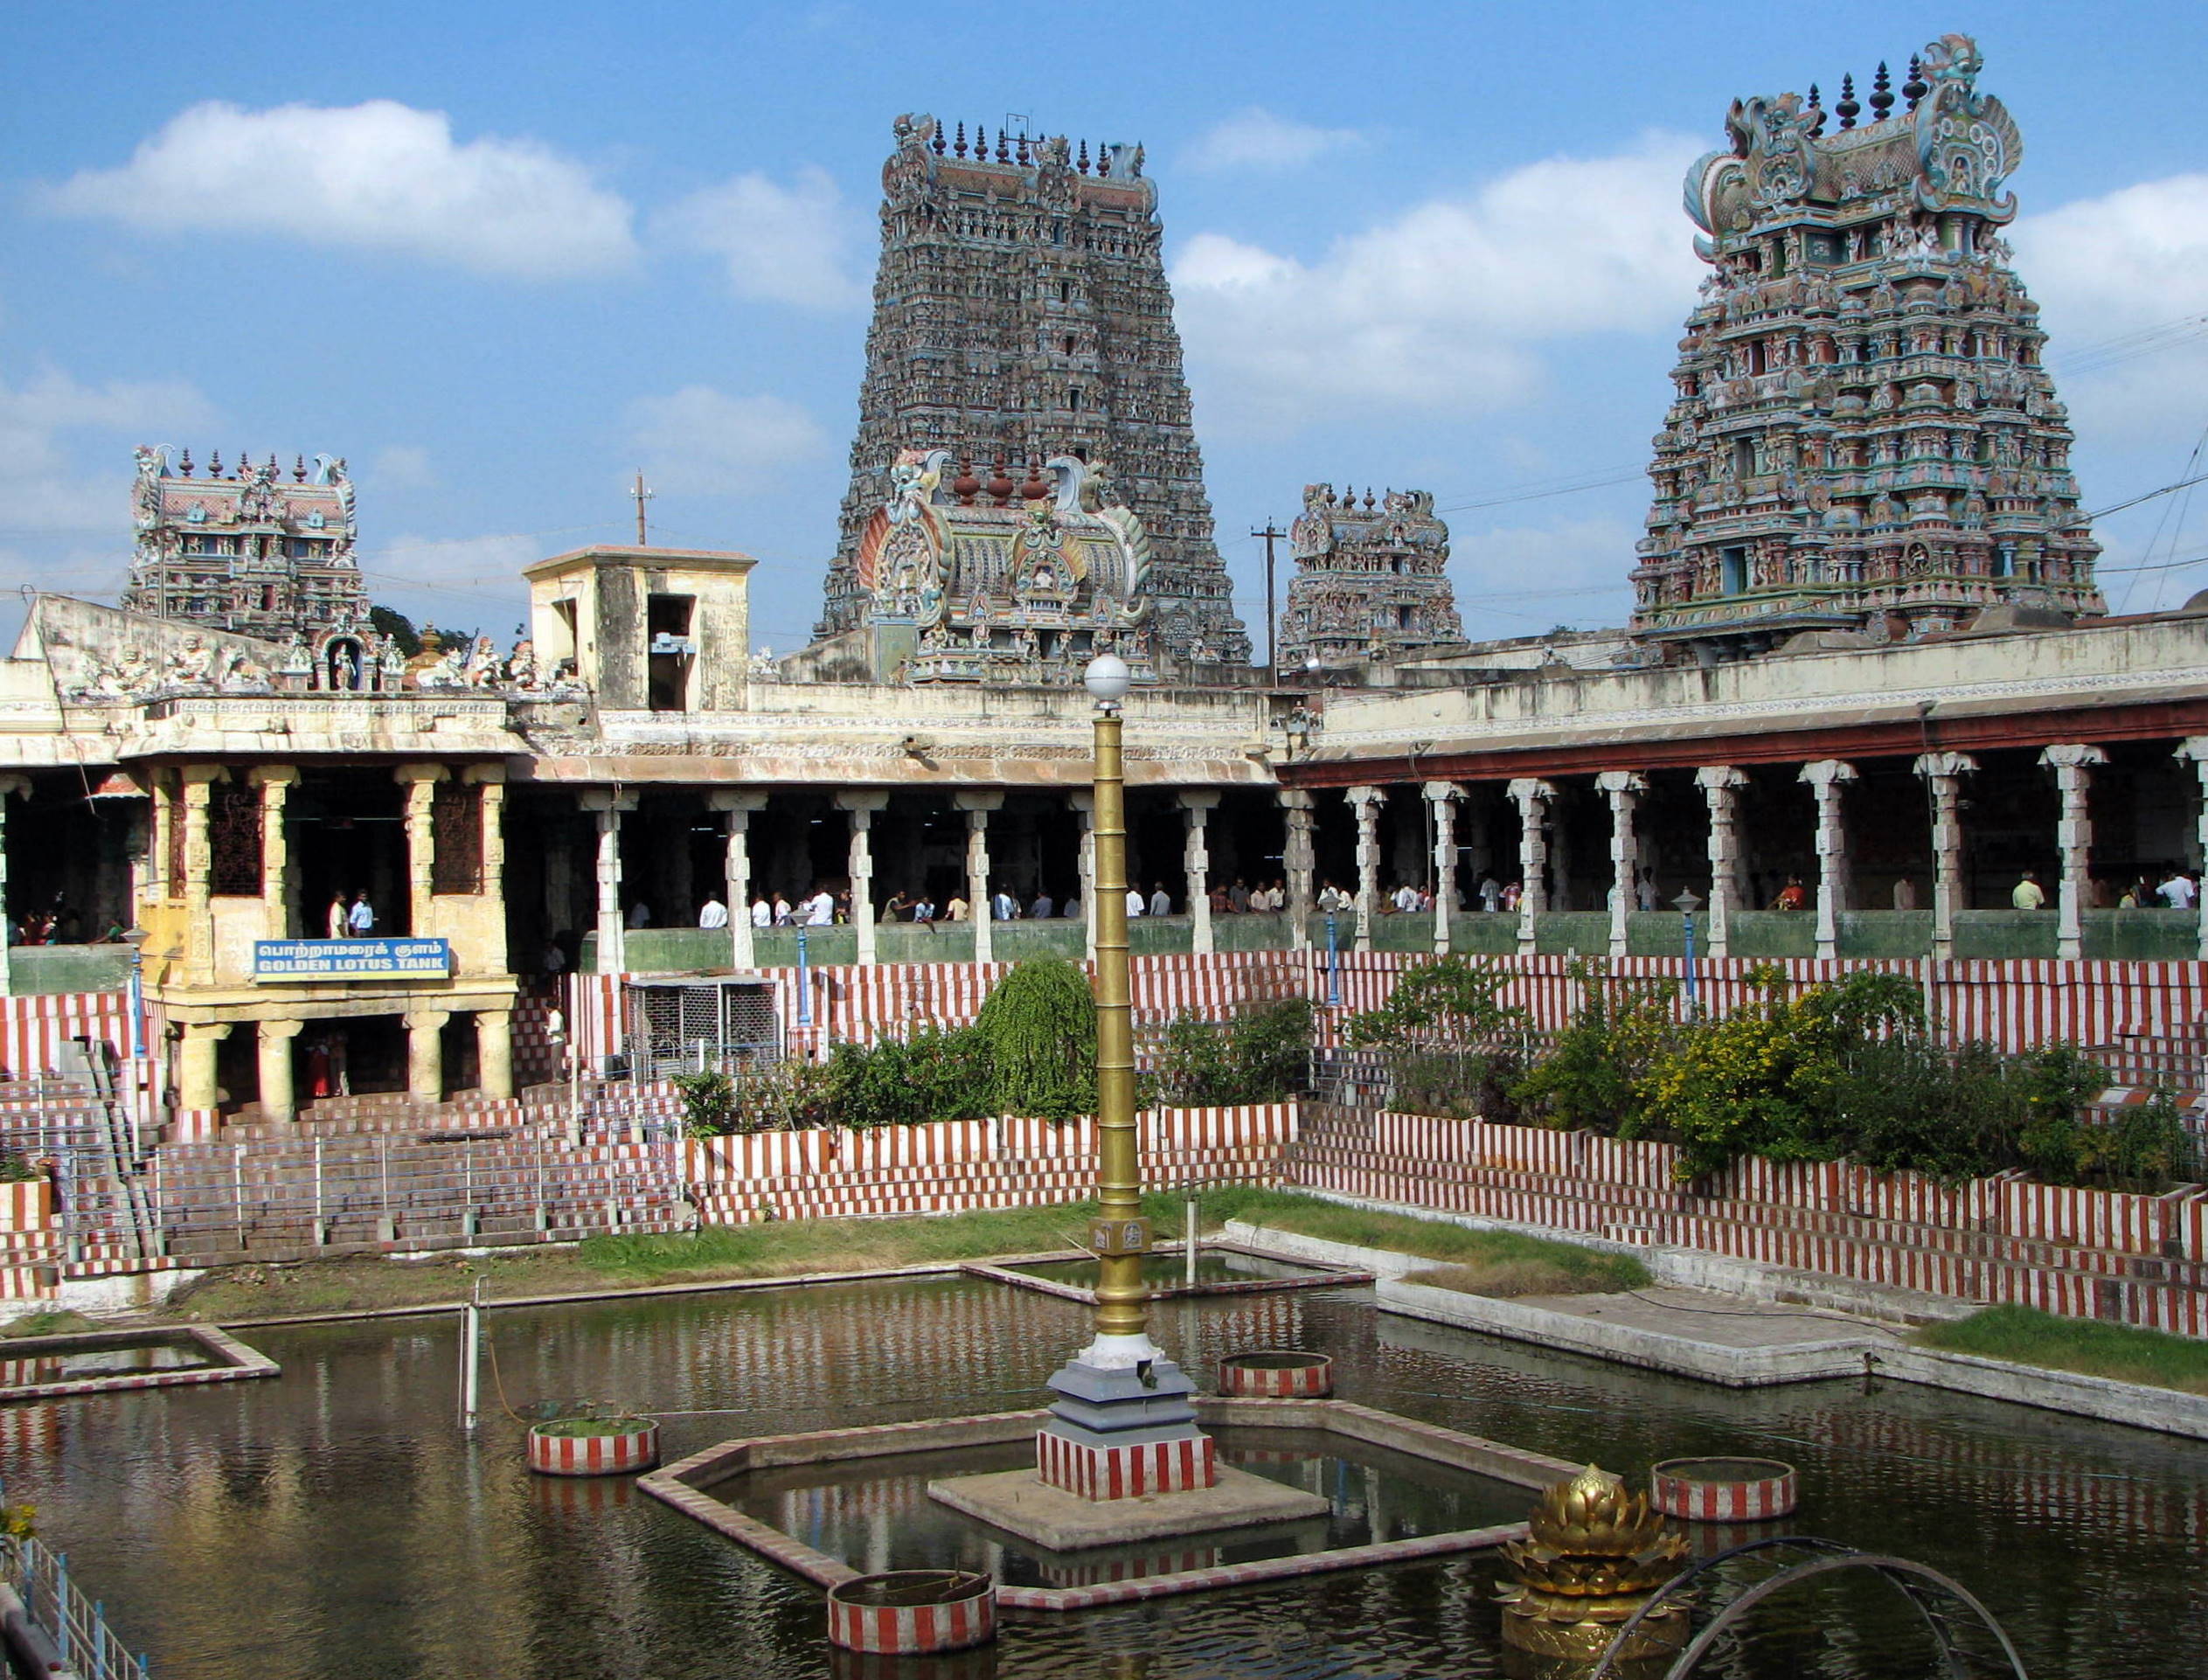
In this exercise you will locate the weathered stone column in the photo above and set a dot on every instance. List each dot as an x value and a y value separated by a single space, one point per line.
737 809
608 804
1298 858
279 1101
1623 789
2195 748
1367 802
1721 785
425 1054
280 917
486 950
1826 777
1532 797
196 1086
20 786
977 803
860 804
1196 806
1084 804
421 782
495 1051
197 891
1943 773
2072 763
1443 796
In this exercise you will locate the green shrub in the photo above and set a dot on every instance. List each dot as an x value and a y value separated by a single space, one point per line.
1040 1025
1596 1076
1261 1055
1451 1000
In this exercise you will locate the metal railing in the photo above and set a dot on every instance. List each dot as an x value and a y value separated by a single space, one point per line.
58 1625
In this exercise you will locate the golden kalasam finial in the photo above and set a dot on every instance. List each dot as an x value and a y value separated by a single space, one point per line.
1594 1553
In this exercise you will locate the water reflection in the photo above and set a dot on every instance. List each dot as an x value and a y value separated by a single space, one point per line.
333 1523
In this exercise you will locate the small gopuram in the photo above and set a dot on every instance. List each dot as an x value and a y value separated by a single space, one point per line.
254 550
1372 584
1864 439
1021 304
967 581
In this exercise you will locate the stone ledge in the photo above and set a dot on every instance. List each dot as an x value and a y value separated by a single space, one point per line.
1020 1503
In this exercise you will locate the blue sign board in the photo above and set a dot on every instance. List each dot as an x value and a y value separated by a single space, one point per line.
352 959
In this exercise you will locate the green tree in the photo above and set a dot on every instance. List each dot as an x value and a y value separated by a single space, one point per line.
1040 1025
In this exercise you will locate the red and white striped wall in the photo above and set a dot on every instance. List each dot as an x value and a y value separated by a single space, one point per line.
1125 1472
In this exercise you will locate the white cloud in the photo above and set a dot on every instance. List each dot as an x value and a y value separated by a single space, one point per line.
1522 579
456 583
703 441
1448 305
403 466
1255 139
783 244
380 176
2107 270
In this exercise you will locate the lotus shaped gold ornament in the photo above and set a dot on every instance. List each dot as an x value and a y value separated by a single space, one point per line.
1594 1555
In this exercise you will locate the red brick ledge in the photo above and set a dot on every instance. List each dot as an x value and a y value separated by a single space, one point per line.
675 1485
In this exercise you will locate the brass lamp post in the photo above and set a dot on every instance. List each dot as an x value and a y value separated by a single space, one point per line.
1120 1235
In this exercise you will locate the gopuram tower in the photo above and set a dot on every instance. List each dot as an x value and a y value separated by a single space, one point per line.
1372 584
1021 312
1864 439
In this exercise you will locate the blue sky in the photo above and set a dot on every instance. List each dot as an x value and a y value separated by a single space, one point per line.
500 256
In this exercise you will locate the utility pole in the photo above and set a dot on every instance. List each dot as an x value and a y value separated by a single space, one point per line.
1272 619
641 495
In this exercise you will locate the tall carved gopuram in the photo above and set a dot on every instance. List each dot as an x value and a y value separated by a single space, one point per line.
1864 438
1372 584
1021 310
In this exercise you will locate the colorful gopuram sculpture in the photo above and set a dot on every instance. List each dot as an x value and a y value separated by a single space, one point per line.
1864 439
252 550
1020 308
1372 584
965 579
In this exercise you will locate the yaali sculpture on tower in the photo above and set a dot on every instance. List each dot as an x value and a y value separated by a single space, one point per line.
1864 443
1021 317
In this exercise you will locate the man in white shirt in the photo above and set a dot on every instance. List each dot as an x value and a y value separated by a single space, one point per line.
820 909
763 913
2177 890
1332 898
1134 903
361 919
714 914
1003 906
1407 899
1490 894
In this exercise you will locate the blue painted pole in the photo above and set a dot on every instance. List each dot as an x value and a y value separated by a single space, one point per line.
1333 962
1691 1001
804 984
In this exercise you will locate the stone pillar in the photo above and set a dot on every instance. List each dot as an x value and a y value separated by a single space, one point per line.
1721 785
280 917
486 950
1196 806
421 782
1443 796
426 1055
977 803
278 1100
495 1051
1826 777
198 867
1366 801
608 804
20 786
737 809
1623 789
1532 797
860 804
1298 857
1943 773
2073 763
197 1087
1084 803
2195 748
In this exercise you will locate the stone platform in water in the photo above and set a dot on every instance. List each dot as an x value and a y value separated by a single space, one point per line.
1021 1502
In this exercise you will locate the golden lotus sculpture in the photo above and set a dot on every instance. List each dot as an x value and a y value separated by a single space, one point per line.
1595 1554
